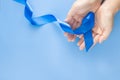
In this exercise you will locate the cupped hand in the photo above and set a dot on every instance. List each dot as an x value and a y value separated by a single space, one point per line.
104 22
78 11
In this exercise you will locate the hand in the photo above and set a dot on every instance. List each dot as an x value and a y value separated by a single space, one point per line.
104 22
79 9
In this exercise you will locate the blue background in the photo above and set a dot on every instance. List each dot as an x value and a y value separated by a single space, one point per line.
43 53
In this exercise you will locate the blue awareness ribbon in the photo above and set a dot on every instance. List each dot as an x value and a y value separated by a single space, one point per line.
85 28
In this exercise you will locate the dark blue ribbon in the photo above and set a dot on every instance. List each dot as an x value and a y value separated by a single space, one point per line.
85 28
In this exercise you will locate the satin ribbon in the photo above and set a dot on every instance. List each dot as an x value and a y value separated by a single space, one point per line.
85 28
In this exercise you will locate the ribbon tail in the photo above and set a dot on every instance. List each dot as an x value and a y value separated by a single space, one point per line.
28 14
40 20
88 39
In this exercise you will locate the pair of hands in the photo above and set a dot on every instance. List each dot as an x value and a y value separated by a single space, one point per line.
104 15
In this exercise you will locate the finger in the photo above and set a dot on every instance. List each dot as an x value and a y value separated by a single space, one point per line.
104 36
70 21
80 41
96 40
65 34
80 36
76 24
97 29
71 37
82 46
79 17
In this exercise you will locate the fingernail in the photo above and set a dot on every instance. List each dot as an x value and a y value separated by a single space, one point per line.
72 40
80 48
65 34
101 40
69 40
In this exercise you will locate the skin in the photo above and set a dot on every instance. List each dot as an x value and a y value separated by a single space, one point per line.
104 18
